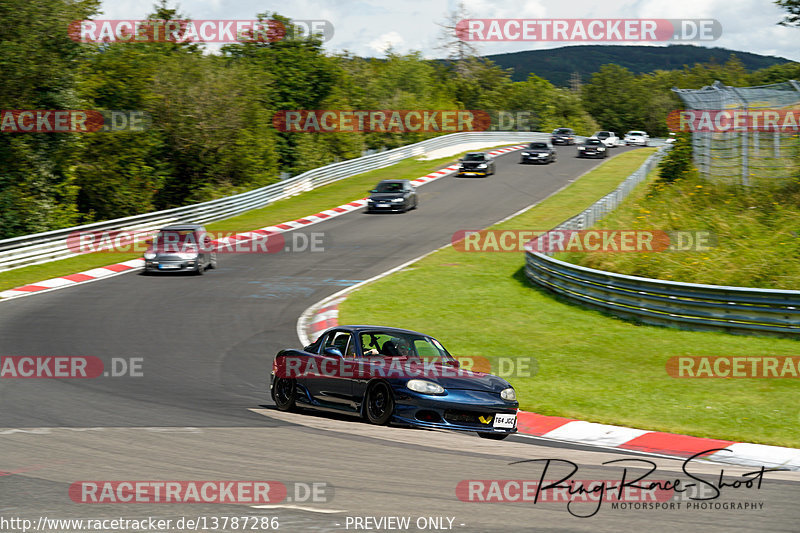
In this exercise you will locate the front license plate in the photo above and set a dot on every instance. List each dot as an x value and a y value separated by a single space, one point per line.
505 421
382 205
168 267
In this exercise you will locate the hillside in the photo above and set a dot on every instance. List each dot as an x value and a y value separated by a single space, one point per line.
558 64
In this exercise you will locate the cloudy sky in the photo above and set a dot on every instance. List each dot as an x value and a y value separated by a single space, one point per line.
367 27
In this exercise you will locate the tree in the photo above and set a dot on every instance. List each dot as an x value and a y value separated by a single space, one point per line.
793 8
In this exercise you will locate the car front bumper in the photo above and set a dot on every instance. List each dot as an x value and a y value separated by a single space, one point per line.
155 265
459 410
540 158
591 154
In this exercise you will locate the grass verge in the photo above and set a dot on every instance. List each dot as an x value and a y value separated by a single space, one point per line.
308 203
590 366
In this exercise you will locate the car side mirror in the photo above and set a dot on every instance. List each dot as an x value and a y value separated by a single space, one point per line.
308 348
374 190
333 352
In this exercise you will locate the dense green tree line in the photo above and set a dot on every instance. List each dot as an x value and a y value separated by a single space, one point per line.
211 133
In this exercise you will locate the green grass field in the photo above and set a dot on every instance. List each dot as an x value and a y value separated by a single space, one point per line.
308 203
590 366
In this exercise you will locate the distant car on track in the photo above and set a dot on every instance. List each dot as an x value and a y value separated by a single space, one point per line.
476 164
538 152
636 137
388 375
592 148
392 195
609 138
180 248
562 136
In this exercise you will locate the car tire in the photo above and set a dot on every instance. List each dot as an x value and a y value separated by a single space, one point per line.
493 436
213 263
284 394
379 404
200 270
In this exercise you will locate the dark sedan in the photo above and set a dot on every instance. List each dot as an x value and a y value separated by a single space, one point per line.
392 375
563 136
476 164
592 148
538 152
392 195
180 248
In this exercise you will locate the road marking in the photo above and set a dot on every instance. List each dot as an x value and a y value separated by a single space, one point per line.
299 508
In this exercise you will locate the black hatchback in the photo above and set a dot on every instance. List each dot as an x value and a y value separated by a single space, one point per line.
392 195
538 152
563 136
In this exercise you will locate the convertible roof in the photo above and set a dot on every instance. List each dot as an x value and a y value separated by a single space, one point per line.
361 328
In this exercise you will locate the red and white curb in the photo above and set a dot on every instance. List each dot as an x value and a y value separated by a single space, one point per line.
325 314
135 264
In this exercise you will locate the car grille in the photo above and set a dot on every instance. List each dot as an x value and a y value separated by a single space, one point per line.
468 418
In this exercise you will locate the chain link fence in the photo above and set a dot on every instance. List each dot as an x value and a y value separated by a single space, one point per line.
745 155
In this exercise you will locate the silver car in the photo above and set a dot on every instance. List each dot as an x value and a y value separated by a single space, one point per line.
180 248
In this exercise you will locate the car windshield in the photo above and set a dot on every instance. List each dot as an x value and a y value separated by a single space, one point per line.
593 141
474 157
389 187
562 131
398 344
176 237
639 133
538 146
602 134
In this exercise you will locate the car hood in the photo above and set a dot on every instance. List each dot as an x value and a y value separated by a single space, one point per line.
447 376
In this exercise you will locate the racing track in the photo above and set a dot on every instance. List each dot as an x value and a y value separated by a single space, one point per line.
207 345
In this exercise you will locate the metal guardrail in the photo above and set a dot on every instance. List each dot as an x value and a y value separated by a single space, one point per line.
52 245
667 303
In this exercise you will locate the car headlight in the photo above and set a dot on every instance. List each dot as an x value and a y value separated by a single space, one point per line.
581 148
509 395
397 200
601 148
425 387
187 255
525 153
370 200
149 255
482 165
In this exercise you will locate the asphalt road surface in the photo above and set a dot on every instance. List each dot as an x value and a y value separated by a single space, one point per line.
200 408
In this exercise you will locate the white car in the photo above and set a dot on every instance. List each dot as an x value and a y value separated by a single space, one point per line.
636 137
609 138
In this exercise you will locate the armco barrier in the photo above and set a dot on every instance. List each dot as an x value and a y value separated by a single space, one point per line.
686 305
52 245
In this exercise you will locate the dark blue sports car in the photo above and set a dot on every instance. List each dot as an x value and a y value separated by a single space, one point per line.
393 375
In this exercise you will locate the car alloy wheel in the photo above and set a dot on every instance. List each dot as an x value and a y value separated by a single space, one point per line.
379 404
284 393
